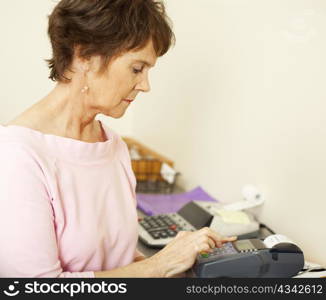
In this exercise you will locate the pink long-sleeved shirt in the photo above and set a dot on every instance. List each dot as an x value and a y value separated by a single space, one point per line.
67 207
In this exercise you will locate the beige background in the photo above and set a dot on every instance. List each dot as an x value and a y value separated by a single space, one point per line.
239 100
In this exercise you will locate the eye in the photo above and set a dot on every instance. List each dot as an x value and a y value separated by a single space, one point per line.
137 70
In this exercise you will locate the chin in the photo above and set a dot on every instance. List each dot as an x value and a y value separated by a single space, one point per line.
115 115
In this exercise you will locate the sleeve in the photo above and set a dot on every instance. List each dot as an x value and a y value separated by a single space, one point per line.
27 232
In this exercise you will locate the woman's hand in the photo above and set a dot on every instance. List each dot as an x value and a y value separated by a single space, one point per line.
139 258
180 254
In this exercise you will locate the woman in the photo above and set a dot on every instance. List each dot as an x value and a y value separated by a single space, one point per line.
67 190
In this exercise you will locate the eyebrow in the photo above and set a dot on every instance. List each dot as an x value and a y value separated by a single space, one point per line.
144 62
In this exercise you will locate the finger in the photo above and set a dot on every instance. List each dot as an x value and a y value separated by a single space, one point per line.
203 243
181 234
203 247
211 243
229 239
225 240
217 238
213 235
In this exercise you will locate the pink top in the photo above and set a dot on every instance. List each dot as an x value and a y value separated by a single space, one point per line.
67 207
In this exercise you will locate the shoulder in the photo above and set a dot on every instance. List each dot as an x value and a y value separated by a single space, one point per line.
16 154
16 148
22 168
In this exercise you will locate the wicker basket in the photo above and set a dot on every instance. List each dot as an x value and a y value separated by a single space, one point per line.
151 169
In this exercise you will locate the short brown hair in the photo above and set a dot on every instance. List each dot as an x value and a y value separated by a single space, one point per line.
105 28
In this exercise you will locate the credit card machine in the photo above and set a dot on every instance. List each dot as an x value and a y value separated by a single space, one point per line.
249 258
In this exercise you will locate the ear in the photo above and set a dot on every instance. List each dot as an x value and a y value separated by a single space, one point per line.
95 63
80 64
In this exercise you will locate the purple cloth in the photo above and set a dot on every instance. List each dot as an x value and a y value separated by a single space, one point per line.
153 204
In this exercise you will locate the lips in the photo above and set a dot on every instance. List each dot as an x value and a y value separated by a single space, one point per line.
128 100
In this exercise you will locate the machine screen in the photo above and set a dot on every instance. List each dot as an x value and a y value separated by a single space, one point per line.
244 245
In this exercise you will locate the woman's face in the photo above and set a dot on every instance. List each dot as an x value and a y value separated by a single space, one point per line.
114 90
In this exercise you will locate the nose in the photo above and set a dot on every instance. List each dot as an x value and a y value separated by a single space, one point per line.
143 85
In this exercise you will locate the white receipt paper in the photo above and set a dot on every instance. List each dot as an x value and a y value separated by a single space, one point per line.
244 204
275 239
234 217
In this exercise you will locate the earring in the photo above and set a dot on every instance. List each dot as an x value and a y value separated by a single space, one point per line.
85 89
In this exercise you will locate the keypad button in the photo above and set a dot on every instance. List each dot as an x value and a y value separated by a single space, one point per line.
153 224
146 225
163 234
155 235
171 233
227 248
173 227
204 254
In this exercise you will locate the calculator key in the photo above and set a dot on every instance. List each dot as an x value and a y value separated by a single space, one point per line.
173 227
155 234
163 234
153 224
171 232
146 225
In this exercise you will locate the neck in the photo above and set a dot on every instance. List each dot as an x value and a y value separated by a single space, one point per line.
67 113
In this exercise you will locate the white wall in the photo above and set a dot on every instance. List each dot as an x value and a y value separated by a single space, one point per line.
24 47
241 99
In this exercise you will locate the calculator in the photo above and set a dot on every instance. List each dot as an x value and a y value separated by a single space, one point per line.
157 231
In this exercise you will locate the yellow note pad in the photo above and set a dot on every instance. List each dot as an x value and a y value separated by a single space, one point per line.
230 216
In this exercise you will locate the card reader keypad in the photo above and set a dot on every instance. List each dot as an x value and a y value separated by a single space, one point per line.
226 249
